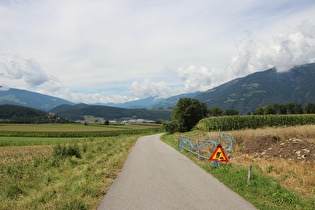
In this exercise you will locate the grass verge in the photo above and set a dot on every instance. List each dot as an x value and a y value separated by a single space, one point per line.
31 141
73 176
262 191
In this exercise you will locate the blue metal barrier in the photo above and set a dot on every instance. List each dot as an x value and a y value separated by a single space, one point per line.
192 147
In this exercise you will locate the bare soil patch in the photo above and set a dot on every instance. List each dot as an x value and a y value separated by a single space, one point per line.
270 146
259 144
287 154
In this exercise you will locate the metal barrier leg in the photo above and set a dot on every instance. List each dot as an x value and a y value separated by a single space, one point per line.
215 163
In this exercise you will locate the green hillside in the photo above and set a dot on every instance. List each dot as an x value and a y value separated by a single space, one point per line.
30 99
20 114
172 101
243 94
76 112
263 88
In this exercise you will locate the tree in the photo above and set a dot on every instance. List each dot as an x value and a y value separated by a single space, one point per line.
299 109
106 122
269 110
291 108
277 107
187 113
295 108
258 111
310 108
231 112
283 109
170 127
215 111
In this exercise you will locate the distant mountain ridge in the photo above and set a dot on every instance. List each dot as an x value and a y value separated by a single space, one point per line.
30 99
243 94
263 88
78 111
172 101
152 102
141 103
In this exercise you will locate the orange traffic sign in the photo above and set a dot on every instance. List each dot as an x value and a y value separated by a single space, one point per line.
219 155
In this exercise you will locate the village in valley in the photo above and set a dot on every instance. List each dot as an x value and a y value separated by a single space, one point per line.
131 121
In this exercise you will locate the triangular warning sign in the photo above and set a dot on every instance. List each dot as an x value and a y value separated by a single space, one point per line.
219 155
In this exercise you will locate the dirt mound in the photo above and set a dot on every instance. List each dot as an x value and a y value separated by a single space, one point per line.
267 146
259 144
297 149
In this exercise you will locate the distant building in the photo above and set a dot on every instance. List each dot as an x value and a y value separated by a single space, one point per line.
87 121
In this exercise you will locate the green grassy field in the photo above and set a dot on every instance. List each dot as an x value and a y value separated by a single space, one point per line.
61 173
75 179
29 141
74 127
74 130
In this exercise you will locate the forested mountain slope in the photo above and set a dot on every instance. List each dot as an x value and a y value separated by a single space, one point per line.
263 88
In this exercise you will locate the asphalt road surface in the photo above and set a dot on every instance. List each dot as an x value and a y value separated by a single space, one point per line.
155 176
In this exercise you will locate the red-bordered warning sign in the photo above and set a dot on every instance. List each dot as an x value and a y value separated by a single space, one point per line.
219 155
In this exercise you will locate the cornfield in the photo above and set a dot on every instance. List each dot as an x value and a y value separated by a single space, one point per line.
254 121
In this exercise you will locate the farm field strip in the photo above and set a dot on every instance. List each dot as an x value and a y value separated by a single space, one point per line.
29 141
74 130
228 123
64 127
33 175
49 134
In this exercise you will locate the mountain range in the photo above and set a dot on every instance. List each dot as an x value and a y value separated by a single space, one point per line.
30 99
263 88
243 94
80 111
152 102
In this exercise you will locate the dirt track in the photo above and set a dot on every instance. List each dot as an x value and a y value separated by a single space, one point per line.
155 176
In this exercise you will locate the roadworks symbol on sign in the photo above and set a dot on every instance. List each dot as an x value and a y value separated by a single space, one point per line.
219 155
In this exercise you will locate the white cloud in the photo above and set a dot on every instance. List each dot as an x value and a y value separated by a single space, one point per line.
148 88
24 70
93 98
87 47
283 51
196 78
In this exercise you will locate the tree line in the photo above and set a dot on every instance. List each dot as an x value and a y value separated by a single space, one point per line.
25 115
188 112
290 108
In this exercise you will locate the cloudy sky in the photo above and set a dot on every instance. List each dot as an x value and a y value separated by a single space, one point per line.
120 50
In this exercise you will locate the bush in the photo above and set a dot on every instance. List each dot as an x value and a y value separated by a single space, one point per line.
170 127
66 151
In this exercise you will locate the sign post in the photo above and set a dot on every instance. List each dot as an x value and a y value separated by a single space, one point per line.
219 155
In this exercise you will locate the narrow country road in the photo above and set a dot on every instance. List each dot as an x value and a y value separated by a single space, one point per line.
155 176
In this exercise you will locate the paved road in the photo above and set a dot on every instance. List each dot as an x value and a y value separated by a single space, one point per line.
155 176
